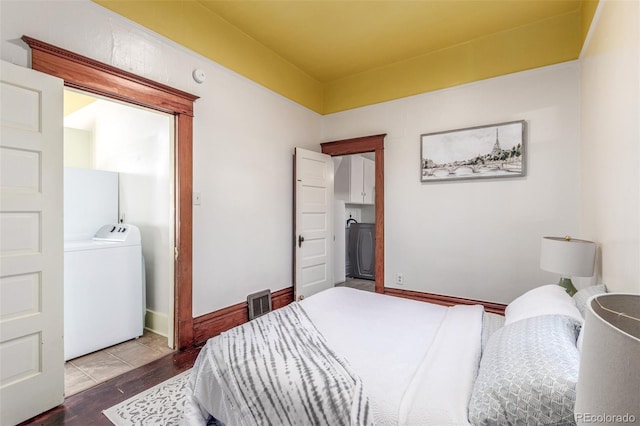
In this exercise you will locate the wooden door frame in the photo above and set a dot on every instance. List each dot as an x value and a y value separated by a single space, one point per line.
88 75
360 145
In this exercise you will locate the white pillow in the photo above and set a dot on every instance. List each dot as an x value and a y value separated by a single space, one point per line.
584 294
549 299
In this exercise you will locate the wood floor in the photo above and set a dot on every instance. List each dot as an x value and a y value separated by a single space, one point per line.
85 408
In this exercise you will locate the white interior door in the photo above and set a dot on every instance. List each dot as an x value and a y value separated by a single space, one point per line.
313 223
31 243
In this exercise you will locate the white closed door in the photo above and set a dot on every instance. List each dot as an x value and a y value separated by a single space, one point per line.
31 244
313 254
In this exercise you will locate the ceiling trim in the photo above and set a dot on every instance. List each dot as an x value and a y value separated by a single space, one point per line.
479 59
197 28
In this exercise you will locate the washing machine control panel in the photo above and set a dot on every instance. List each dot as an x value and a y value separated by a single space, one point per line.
115 232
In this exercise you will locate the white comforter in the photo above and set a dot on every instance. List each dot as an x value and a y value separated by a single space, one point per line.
417 361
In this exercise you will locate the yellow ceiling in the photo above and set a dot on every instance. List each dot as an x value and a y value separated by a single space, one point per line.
335 55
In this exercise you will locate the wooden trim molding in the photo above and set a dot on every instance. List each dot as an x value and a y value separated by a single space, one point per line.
214 323
183 275
354 145
91 76
98 78
360 145
439 299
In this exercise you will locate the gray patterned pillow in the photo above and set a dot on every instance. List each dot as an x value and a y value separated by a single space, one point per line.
528 374
584 294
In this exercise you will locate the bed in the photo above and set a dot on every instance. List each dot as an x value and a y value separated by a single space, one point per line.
346 356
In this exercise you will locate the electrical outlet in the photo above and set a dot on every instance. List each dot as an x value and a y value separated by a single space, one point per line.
399 278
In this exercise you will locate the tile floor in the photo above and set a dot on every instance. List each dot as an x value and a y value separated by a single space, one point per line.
97 367
359 284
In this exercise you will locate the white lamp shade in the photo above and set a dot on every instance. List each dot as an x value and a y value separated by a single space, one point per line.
568 257
608 390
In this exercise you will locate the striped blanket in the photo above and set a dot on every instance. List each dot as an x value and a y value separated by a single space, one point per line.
278 370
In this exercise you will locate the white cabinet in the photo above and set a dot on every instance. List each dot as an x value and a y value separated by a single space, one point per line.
355 180
368 181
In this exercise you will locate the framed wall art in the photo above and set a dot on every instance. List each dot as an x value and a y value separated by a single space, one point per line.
491 151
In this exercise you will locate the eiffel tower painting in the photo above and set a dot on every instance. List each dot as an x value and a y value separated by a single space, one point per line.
491 151
496 147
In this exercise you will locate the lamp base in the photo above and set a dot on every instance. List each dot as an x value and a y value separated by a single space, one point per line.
568 286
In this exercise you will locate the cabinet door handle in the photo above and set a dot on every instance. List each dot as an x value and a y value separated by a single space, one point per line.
300 240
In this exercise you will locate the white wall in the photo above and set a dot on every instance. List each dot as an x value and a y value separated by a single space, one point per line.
78 148
243 143
610 205
136 143
477 239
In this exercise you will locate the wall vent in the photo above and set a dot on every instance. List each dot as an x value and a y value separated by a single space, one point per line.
259 303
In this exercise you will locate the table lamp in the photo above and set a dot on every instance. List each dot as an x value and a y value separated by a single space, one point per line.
568 257
608 390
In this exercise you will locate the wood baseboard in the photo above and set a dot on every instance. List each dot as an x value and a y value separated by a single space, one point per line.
439 299
214 323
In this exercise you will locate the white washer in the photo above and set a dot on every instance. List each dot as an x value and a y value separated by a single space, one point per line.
103 290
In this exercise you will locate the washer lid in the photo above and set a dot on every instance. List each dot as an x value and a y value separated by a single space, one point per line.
81 245
119 232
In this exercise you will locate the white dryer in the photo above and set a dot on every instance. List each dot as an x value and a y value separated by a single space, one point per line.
103 290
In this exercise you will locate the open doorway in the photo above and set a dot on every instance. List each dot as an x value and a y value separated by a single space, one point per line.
354 221
375 145
119 164
94 77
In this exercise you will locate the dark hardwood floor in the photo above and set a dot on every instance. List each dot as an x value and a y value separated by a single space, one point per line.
85 408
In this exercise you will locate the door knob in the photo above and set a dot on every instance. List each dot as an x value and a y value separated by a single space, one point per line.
300 240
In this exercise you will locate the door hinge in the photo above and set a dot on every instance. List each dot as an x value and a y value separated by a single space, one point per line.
175 253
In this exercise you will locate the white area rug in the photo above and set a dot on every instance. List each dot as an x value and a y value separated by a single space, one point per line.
159 405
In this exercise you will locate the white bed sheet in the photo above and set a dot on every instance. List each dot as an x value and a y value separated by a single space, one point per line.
388 343
386 339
